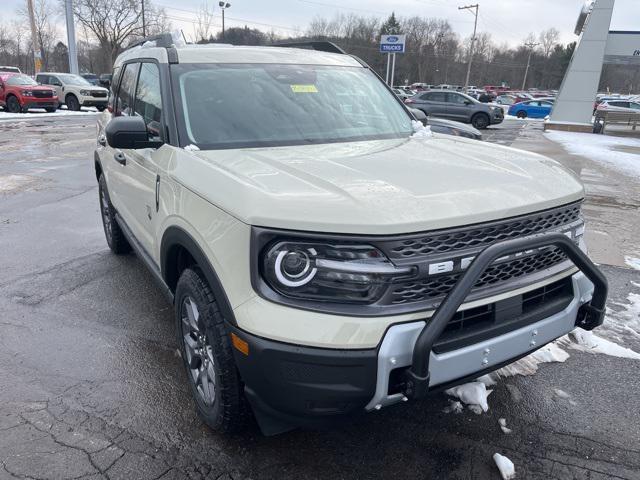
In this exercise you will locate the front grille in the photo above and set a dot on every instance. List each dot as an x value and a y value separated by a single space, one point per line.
43 93
471 326
453 240
438 286
98 94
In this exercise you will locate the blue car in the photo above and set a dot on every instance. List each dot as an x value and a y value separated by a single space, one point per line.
531 109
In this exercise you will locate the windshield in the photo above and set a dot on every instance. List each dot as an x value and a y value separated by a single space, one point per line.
69 79
21 80
252 105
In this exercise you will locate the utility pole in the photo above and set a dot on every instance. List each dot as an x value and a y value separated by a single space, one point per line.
223 6
475 7
71 37
144 22
530 46
37 54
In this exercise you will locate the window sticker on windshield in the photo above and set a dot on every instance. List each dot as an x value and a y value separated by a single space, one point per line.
304 89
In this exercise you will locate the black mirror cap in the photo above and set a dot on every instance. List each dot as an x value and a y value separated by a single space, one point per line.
128 133
419 115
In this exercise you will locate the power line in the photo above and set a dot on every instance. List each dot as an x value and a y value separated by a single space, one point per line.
475 7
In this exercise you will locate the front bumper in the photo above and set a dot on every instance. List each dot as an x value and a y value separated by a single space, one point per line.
42 103
290 385
94 102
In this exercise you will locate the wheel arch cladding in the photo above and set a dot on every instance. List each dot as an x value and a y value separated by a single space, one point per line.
97 165
178 250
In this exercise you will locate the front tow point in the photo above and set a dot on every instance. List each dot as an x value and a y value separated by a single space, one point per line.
416 387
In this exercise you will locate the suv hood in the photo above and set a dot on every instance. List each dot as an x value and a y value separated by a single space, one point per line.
376 187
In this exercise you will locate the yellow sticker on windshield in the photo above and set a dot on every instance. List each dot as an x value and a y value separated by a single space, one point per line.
304 89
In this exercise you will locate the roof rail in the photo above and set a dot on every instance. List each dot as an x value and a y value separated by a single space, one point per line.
162 40
319 45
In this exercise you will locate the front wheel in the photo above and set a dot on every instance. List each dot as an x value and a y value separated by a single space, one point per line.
480 121
13 105
522 114
205 348
72 103
112 231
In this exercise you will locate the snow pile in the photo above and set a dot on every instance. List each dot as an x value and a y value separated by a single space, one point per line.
602 149
507 470
453 407
529 365
589 342
473 394
420 131
191 148
632 262
503 426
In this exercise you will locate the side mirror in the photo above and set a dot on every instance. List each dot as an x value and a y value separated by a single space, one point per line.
129 133
419 115
468 102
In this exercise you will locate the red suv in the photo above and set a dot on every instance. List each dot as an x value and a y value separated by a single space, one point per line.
19 93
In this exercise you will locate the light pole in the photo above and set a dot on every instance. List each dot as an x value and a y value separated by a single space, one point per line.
71 37
530 46
223 6
475 7
144 22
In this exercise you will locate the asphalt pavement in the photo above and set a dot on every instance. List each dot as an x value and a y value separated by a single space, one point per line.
91 385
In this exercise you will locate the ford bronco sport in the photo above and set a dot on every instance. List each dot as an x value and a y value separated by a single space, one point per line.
323 259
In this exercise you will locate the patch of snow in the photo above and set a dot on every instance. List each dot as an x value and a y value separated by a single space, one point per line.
488 380
506 467
420 131
10 183
602 149
503 426
589 342
191 148
38 113
561 393
454 407
529 364
473 393
633 263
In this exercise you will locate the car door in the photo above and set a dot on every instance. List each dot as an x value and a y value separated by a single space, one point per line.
56 83
138 192
3 95
458 107
434 103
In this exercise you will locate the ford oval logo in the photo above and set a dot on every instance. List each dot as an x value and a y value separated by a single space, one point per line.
392 39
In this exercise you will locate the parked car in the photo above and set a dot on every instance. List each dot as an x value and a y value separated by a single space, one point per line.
105 80
305 243
92 78
401 93
620 106
8 69
74 91
531 109
447 127
456 106
19 93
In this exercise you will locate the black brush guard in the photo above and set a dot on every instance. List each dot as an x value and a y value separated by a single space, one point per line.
590 315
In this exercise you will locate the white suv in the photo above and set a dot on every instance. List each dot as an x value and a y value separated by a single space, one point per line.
74 91
327 255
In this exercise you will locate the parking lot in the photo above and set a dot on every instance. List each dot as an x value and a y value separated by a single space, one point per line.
91 385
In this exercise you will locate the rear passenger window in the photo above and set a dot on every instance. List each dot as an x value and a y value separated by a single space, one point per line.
124 105
436 96
148 99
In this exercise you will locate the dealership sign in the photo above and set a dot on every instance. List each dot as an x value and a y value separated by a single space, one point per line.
623 48
392 43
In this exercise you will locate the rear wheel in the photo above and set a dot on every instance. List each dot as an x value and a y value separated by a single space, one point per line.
112 231
522 114
480 121
13 104
205 348
72 103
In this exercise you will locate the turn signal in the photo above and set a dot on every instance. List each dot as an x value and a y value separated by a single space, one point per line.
239 344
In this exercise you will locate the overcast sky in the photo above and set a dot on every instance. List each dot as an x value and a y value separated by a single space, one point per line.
507 20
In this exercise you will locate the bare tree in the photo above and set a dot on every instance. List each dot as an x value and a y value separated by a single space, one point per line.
46 30
204 23
548 41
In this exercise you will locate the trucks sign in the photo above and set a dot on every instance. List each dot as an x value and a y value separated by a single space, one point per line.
392 43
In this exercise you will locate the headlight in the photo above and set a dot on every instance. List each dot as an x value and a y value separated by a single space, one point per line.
86 93
27 93
328 272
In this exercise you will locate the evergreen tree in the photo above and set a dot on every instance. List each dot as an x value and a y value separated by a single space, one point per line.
391 26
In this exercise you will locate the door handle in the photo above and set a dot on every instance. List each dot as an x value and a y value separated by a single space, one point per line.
120 158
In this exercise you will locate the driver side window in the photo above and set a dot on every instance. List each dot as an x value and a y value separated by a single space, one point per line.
124 104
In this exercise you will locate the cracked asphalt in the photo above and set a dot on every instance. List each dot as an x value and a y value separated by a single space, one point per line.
91 386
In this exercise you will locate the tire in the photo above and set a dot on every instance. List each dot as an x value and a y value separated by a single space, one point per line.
101 109
205 348
480 121
72 102
115 238
51 109
13 105
521 114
